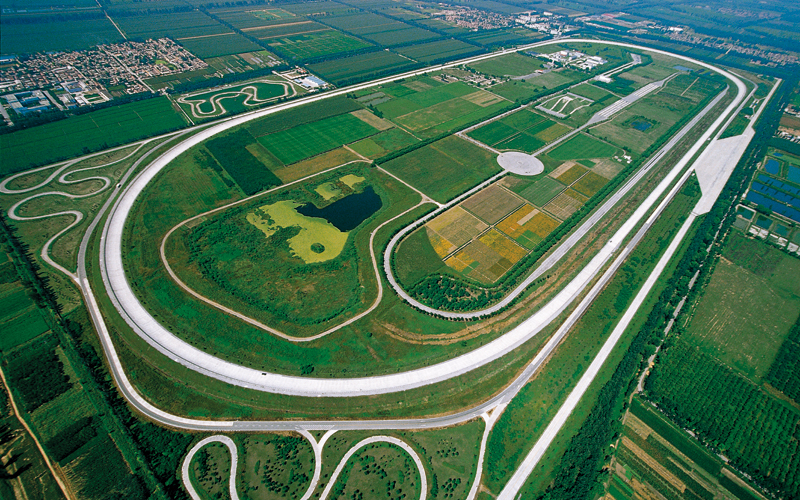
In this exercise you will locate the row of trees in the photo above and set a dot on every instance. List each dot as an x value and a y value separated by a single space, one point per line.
457 293
735 416
784 374
581 468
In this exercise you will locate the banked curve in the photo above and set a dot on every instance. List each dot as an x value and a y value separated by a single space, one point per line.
134 313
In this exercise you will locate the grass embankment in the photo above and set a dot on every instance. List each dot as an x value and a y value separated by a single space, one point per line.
527 415
82 134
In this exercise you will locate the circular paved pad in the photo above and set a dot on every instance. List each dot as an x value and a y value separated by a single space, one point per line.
520 163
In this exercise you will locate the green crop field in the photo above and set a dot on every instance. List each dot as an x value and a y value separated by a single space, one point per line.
542 191
515 64
458 164
442 50
89 132
582 146
748 307
361 67
384 142
521 142
270 31
311 139
56 34
311 45
492 133
20 319
220 45
176 25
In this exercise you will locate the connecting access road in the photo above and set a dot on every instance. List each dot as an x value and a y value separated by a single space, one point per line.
159 336
113 230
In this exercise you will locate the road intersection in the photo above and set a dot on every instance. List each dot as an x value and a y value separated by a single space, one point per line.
712 178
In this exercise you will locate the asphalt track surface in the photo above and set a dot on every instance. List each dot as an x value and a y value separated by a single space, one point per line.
497 402
117 285
162 339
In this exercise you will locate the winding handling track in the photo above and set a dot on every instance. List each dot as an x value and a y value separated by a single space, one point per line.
161 338
712 175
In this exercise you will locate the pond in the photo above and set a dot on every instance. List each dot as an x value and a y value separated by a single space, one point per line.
641 126
772 167
347 213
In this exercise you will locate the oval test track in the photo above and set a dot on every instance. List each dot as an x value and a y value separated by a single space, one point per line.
128 305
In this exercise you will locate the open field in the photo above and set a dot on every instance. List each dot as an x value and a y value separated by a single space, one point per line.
223 44
459 166
311 139
91 131
56 33
748 307
582 146
655 457
305 46
275 464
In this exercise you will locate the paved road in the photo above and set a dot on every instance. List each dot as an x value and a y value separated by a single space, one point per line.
185 472
713 169
162 339
514 337
481 410
378 439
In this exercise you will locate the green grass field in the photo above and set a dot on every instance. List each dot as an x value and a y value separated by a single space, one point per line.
445 168
515 64
582 146
590 91
311 139
222 45
748 307
89 132
316 44
542 191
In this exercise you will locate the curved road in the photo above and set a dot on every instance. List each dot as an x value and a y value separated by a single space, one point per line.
157 335
161 338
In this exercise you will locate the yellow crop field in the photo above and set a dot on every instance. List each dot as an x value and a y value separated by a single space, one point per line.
572 174
441 246
503 246
459 262
542 224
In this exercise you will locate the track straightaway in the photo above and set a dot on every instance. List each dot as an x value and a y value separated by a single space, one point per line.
158 336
